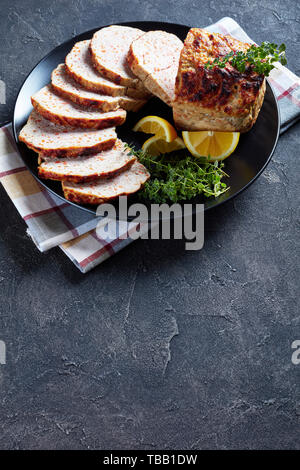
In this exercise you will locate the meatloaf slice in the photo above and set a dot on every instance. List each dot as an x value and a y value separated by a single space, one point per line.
61 111
54 140
109 48
68 88
154 58
79 66
86 168
217 99
127 182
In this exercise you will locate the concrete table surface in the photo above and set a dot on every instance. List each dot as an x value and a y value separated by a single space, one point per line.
156 348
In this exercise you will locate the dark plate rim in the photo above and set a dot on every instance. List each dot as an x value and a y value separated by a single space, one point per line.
136 23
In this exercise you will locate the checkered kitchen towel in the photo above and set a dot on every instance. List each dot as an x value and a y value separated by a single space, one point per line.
53 222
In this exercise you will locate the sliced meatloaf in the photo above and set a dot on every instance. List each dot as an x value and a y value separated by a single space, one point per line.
127 182
86 168
79 66
154 58
54 140
61 111
68 88
109 48
217 99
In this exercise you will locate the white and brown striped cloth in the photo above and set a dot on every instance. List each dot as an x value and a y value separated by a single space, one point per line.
53 222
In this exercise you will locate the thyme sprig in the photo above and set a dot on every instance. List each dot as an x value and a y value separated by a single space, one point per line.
175 178
261 58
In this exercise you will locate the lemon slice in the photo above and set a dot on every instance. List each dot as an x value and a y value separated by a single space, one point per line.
158 126
214 145
156 145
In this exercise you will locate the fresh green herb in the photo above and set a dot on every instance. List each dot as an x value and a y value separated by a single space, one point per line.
261 58
175 178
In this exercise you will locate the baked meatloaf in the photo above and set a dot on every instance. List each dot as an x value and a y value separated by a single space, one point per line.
217 99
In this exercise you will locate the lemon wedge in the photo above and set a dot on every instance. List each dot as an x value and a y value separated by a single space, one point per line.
156 145
158 126
213 145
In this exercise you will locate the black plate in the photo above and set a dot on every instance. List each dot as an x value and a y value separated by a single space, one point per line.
252 155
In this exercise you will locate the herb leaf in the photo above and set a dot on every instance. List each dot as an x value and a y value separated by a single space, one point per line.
261 58
175 178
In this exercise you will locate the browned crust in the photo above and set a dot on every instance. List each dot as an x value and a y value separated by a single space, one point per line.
71 195
183 112
130 57
72 151
97 123
51 175
215 88
232 98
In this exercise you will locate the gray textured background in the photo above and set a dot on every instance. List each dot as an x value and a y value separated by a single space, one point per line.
157 348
